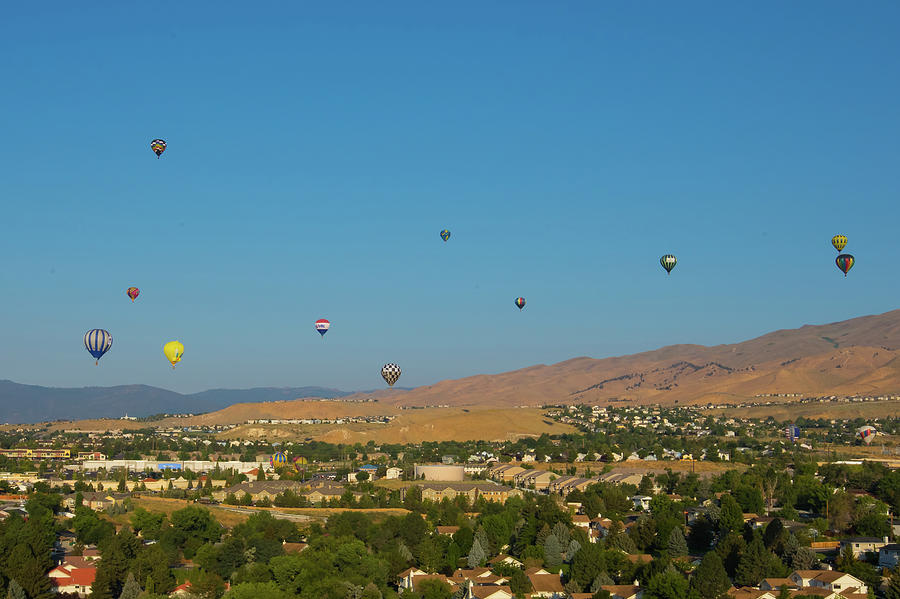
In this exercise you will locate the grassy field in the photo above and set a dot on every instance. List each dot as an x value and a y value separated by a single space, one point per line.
229 519
416 426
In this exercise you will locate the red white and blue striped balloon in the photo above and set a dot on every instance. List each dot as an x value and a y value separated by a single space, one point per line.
97 342
322 326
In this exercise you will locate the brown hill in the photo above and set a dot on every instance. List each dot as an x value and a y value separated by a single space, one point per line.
858 356
848 357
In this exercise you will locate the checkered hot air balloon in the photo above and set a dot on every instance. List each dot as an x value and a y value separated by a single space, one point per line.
97 342
390 373
668 262
158 146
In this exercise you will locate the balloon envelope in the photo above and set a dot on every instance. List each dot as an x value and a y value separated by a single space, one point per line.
97 342
668 262
278 459
866 433
845 262
322 326
158 146
839 242
133 292
390 373
174 350
445 234
520 302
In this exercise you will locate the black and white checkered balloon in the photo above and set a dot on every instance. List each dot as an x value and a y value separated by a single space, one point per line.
390 373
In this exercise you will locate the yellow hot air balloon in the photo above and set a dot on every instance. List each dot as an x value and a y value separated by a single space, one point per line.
839 242
174 350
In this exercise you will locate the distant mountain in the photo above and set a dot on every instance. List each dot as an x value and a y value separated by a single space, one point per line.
857 356
32 403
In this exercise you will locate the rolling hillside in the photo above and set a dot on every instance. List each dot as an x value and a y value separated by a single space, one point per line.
857 356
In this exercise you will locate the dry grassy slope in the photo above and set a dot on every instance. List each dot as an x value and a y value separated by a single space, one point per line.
801 360
415 426
849 357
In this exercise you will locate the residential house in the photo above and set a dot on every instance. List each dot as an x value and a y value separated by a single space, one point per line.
488 592
507 560
505 472
862 545
641 502
406 578
829 580
776 584
73 576
437 491
889 556
538 480
623 591
323 494
97 501
544 583
393 473
258 489
446 530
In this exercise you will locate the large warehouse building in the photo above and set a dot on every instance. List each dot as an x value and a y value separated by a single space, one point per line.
443 472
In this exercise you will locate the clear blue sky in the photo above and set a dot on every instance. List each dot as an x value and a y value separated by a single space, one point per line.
316 151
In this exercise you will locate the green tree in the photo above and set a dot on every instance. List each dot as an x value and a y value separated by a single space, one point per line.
148 524
731 518
435 589
587 564
117 553
710 580
677 545
754 563
476 555
552 552
131 589
519 583
668 584
15 591
893 585
257 590
602 579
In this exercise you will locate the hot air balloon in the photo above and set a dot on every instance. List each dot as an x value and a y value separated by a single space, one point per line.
445 234
668 262
520 302
322 326
158 146
390 373
174 351
279 460
299 462
133 292
839 242
867 434
845 262
97 342
792 432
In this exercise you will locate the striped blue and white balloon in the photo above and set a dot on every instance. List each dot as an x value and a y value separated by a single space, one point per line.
97 342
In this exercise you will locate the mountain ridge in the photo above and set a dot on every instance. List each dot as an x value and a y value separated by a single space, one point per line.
855 356
21 403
